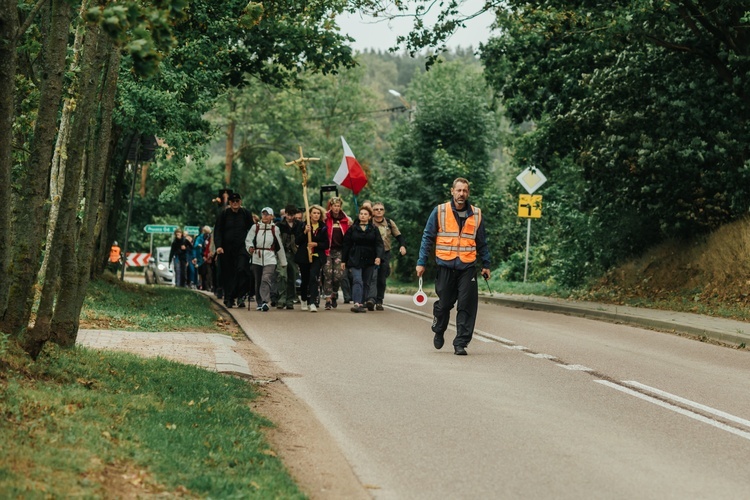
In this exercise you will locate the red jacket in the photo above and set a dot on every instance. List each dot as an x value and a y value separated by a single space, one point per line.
343 222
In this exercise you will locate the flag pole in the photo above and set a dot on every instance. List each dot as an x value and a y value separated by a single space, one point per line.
301 163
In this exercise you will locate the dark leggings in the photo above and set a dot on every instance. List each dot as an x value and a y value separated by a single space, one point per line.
310 273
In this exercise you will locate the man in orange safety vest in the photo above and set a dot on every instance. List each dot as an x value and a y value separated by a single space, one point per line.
456 230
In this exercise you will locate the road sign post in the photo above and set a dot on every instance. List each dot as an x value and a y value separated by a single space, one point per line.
530 207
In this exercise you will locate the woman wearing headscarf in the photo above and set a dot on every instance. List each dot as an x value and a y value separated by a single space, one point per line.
313 246
362 252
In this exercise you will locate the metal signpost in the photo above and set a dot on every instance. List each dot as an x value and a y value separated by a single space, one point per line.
530 207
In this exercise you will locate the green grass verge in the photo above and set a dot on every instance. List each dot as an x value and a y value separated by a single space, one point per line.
116 305
75 414
88 424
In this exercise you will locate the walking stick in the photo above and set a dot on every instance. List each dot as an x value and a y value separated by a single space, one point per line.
301 163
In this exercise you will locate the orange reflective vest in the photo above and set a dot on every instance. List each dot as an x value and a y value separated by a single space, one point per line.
453 243
114 254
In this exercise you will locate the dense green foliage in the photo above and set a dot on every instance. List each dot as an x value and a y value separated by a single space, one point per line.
271 123
453 132
635 122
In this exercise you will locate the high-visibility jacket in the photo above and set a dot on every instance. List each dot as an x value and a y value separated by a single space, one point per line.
454 242
114 254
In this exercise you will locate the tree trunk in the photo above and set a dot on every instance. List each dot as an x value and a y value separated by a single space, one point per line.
144 177
229 158
8 60
60 156
68 309
63 245
29 226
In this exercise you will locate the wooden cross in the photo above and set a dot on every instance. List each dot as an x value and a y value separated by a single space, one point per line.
301 163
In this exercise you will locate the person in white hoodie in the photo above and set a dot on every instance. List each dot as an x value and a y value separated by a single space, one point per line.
263 242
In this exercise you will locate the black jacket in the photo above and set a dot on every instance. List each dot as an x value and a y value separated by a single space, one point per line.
231 228
320 236
361 247
289 234
176 249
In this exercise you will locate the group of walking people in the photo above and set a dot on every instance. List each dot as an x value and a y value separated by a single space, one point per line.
261 257
190 259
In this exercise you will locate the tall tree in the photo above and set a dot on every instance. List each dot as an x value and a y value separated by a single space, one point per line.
29 209
452 135
9 26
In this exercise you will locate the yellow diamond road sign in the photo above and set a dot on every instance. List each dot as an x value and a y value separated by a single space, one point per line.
531 179
530 207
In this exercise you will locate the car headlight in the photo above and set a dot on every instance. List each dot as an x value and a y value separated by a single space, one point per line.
161 267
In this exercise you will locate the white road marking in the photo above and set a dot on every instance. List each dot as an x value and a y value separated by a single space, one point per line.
578 368
674 408
509 344
687 402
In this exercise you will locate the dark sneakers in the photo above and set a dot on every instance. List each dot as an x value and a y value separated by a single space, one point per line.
378 307
459 351
438 341
370 304
359 309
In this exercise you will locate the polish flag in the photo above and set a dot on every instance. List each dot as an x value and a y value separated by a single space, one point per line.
350 173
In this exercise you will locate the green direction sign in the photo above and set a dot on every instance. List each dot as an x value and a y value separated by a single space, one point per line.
160 229
192 230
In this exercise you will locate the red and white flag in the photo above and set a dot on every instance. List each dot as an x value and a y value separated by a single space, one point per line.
350 173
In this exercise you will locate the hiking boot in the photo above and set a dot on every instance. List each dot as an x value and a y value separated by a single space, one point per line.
438 341
378 307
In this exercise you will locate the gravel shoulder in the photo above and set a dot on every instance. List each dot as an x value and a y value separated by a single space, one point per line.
307 449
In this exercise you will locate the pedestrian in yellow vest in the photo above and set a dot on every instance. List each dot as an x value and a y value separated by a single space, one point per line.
456 230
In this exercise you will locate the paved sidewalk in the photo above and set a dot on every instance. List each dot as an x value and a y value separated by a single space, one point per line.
212 351
724 330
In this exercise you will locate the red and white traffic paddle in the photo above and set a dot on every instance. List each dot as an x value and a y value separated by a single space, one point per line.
420 298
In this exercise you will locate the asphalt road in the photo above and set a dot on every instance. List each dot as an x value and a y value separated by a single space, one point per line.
544 405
